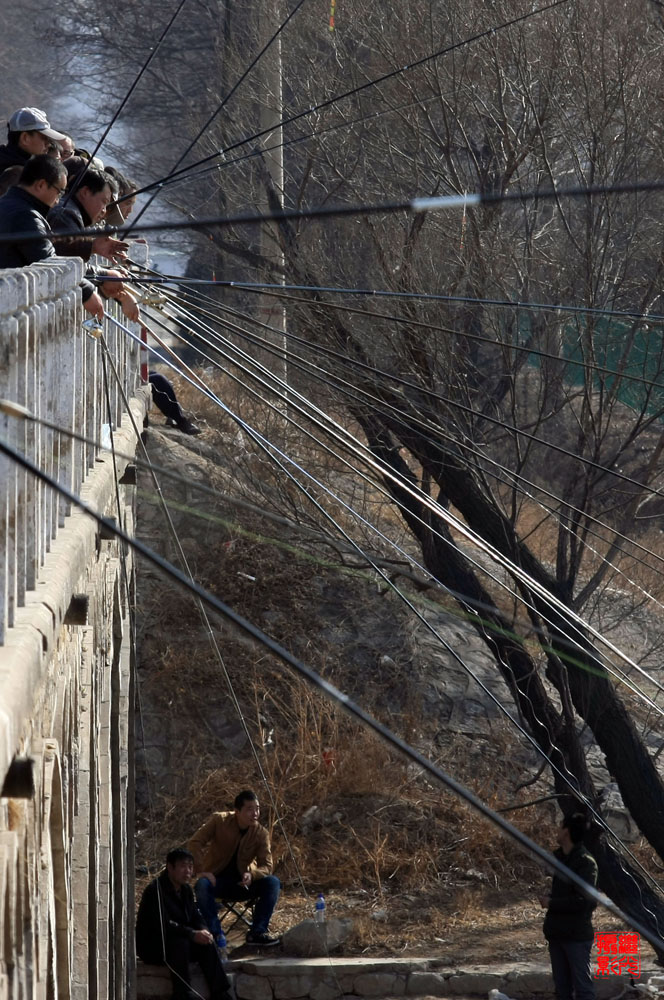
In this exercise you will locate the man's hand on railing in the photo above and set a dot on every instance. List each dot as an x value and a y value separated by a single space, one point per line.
94 304
117 290
109 247
111 289
129 305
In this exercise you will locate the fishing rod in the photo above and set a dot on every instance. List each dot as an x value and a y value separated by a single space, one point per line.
334 694
487 33
416 206
153 52
214 114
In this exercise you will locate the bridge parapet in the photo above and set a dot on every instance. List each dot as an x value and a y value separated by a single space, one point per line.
66 773
53 366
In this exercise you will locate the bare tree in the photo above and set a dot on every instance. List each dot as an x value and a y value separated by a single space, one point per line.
467 401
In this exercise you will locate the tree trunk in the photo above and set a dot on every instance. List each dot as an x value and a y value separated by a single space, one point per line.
554 732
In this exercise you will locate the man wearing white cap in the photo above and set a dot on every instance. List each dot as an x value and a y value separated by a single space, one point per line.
28 134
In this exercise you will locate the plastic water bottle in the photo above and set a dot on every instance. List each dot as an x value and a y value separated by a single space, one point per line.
319 909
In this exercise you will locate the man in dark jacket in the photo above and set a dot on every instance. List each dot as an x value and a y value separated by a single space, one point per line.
568 922
28 134
23 210
84 207
170 930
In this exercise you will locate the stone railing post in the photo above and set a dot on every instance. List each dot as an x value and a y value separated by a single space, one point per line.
50 364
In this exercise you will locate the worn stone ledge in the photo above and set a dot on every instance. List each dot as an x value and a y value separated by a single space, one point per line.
365 978
155 981
276 966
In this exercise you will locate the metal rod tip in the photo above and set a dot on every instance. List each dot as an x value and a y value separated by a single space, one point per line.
14 409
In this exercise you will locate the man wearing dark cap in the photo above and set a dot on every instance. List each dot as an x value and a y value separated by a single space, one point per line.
28 134
170 930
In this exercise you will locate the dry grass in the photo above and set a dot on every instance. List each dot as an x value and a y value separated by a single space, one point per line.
409 862
414 866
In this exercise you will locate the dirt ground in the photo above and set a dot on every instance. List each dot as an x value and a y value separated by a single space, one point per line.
487 928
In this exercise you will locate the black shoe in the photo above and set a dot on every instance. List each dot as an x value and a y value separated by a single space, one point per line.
264 940
170 422
187 427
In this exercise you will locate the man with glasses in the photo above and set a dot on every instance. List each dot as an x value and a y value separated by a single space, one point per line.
23 211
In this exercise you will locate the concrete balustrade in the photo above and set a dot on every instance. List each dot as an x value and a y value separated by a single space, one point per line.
66 861
51 365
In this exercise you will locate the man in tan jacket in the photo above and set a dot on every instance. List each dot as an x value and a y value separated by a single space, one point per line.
233 859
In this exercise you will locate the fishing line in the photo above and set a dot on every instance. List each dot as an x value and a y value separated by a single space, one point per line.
473 449
549 861
487 33
407 321
505 562
512 429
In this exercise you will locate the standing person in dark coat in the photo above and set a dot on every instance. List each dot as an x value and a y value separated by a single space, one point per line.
170 930
568 924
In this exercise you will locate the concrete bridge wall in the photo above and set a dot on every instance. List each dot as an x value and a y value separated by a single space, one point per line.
66 861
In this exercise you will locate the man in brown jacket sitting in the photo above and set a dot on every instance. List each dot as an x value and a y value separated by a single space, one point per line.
233 859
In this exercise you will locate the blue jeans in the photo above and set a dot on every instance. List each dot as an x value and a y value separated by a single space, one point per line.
570 965
264 890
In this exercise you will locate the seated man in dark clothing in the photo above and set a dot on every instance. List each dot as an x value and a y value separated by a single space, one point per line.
28 134
233 860
170 930
23 211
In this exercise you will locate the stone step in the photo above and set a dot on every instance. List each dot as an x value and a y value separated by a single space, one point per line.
361 978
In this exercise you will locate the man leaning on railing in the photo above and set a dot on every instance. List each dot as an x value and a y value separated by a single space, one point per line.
23 211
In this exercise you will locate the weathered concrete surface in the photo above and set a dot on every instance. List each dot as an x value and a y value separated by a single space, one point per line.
155 981
65 682
335 978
